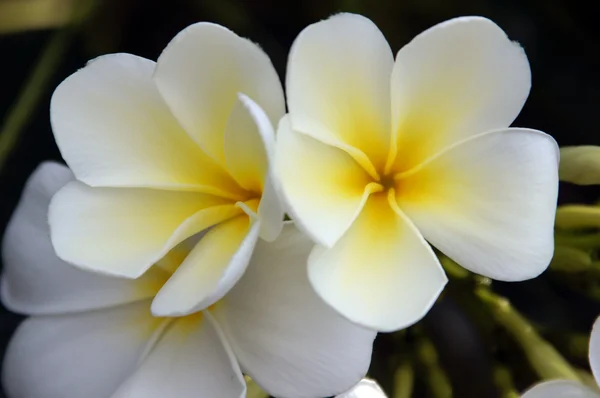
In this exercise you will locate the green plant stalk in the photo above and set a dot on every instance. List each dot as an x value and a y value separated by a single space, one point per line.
542 356
22 109
437 380
404 379
504 382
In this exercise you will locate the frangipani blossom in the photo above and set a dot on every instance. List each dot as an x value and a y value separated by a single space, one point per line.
376 157
569 388
94 336
163 151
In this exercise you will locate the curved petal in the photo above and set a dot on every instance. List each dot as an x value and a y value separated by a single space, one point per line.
324 187
459 78
489 202
561 389
338 84
289 341
190 359
214 265
200 74
114 129
381 273
249 150
74 356
594 353
123 232
35 281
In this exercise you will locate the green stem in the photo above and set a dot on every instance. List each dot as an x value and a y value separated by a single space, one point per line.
404 380
543 357
504 381
21 111
438 381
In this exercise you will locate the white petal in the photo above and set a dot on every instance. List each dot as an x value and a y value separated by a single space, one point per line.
190 360
214 265
381 273
337 84
200 74
289 341
123 232
325 189
489 202
459 78
249 150
114 129
561 389
594 353
35 280
73 356
364 389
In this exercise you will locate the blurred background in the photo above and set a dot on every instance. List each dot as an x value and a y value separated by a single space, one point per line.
44 41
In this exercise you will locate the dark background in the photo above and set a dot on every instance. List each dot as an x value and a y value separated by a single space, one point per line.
559 37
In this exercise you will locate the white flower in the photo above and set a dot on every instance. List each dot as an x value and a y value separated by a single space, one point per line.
377 156
163 151
568 388
94 336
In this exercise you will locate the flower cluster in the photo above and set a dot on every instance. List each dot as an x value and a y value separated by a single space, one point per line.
166 268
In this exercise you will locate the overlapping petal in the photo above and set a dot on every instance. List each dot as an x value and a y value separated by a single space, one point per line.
249 152
489 202
324 187
114 129
289 341
214 265
338 85
381 273
200 74
35 281
81 355
594 353
459 78
124 231
190 359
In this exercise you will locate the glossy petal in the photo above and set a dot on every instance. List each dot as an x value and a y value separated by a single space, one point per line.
289 341
249 151
489 202
381 273
114 129
324 187
124 231
338 84
561 389
74 356
191 359
214 265
200 74
594 353
459 78
35 280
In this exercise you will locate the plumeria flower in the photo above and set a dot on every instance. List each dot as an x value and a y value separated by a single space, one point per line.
569 388
94 336
377 156
162 151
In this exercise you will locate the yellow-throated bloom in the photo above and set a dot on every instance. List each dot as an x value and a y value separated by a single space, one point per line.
377 155
94 336
162 151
